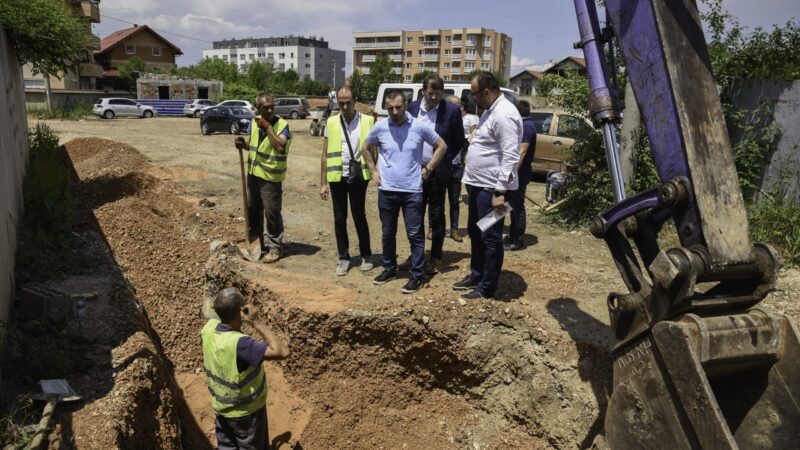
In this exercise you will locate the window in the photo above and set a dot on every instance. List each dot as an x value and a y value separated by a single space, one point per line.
408 78
420 66
485 66
130 49
241 57
409 53
408 65
291 66
308 66
308 55
224 57
261 54
281 55
446 65
409 40
252 56
156 51
419 53
448 39
421 39
469 65
291 55
446 78
542 122
270 55
217 57
34 84
447 52
571 127
281 66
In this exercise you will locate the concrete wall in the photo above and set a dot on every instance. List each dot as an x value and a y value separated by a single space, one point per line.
783 97
37 99
13 160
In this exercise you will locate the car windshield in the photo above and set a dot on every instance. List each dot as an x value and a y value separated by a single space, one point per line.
241 111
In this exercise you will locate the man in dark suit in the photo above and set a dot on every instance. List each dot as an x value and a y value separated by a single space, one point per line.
445 118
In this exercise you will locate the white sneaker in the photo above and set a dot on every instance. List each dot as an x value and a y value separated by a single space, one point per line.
342 267
366 265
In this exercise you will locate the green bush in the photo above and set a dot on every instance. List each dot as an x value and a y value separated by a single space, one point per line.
776 220
47 222
77 111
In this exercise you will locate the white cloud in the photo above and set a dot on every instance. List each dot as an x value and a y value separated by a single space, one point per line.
520 63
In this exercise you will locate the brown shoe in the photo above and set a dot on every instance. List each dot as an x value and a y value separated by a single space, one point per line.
456 236
434 266
430 234
273 255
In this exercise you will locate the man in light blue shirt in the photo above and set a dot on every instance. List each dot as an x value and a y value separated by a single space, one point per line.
398 142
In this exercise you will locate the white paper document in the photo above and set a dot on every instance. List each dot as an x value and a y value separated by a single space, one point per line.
492 218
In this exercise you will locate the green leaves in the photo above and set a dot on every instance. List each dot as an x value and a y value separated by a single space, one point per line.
46 34
380 71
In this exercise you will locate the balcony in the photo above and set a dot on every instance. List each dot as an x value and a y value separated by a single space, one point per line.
456 43
396 58
471 43
430 57
455 57
469 57
368 58
91 10
430 44
387 44
397 70
363 69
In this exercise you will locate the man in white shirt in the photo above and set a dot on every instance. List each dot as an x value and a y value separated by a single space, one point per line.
489 174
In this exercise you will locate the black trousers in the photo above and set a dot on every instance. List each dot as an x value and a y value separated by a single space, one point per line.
244 433
264 204
454 196
516 231
341 191
433 193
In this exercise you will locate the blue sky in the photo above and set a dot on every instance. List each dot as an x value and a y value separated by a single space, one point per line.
542 30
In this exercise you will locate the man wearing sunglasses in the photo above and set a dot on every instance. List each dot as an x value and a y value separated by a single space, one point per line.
489 174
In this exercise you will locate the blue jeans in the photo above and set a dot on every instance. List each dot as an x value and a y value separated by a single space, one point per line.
389 204
516 232
487 248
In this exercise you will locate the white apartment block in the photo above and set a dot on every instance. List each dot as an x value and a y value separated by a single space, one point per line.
306 56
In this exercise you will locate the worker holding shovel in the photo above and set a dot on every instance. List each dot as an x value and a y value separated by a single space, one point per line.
234 365
270 139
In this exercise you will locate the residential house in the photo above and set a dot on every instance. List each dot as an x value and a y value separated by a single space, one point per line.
525 82
568 64
138 41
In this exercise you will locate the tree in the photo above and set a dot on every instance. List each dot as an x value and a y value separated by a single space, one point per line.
131 71
500 79
284 82
46 34
312 87
259 74
357 84
380 71
210 69
419 77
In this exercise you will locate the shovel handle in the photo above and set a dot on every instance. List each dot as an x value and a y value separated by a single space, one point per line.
244 196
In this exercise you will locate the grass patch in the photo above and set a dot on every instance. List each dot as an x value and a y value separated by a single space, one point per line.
776 221
77 111
17 426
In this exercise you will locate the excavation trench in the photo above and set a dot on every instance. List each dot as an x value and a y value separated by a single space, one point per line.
418 372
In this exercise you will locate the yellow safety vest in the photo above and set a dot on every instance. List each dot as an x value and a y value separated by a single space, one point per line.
335 136
264 160
233 394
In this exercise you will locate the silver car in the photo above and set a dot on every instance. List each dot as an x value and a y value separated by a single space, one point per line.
192 109
108 108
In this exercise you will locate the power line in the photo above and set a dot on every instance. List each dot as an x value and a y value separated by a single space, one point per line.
160 31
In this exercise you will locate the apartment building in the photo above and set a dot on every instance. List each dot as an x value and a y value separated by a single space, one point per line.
88 71
305 55
453 53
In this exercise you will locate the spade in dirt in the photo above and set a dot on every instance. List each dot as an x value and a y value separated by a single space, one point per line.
251 245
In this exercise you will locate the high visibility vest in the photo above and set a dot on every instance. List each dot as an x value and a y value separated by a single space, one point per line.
264 160
233 394
335 137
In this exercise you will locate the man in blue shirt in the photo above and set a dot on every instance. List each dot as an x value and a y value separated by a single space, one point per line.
527 148
398 142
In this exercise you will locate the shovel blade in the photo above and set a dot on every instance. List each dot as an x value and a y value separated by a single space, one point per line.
250 248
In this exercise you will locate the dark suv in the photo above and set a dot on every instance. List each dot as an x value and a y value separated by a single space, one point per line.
233 119
292 107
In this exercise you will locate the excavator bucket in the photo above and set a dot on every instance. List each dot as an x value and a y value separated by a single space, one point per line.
723 382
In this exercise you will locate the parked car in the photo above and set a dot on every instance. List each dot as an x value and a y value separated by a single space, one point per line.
555 132
231 103
292 107
413 91
233 119
192 109
108 108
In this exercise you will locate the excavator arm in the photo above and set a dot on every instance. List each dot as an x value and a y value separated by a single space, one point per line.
697 363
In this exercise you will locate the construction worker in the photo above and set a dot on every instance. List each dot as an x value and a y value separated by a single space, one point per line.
270 139
236 379
342 176
445 119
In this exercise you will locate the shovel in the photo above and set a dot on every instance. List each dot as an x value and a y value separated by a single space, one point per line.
250 246
53 392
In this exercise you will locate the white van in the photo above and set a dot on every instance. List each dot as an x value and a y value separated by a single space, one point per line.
413 91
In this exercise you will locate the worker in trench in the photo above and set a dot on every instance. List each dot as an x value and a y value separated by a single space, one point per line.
234 366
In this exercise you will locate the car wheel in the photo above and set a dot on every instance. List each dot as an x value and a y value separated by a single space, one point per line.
234 128
196 114
147 114
108 114
204 128
294 115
